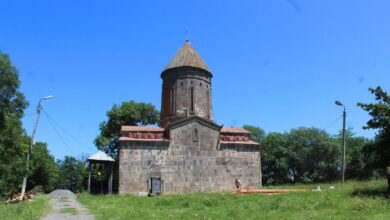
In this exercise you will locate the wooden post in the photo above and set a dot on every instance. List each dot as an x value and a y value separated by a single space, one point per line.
388 180
89 176
110 180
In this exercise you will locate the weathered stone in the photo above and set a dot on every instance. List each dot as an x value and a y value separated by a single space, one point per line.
212 173
190 153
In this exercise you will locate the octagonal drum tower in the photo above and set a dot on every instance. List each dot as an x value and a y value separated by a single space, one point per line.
186 89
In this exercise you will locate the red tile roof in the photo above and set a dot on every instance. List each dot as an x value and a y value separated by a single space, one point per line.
140 139
142 128
240 142
234 130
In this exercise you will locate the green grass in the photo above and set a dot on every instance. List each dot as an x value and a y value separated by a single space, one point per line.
72 211
25 210
353 200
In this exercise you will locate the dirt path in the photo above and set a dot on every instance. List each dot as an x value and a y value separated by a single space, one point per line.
64 206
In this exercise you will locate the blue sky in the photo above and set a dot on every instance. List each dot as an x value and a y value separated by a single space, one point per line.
277 64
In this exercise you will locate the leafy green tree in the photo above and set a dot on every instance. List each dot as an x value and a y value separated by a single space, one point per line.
274 159
44 170
258 134
128 113
12 101
301 155
356 160
13 139
379 151
72 174
313 155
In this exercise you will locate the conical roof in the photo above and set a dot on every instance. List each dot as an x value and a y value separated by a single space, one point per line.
187 56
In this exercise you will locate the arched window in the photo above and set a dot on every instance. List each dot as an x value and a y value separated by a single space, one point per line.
195 135
208 104
192 104
172 94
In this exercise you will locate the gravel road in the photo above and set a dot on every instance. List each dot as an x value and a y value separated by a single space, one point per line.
64 206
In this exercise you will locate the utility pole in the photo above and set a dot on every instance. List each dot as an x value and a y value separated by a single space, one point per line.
35 124
344 165
344 141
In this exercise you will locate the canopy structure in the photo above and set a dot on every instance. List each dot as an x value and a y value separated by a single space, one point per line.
100 158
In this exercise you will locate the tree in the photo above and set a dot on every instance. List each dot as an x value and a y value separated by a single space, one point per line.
380 112
314 155
301 155
258 134
274 159
72 174
44 170
128 113
356 160
13 139
12 101
380 120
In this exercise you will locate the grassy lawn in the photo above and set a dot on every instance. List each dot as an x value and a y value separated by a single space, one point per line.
353 200
25 210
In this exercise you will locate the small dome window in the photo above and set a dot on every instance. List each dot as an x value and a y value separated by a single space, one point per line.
195 135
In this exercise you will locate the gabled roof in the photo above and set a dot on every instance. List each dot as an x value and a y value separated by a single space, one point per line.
100 156
191 119
187 56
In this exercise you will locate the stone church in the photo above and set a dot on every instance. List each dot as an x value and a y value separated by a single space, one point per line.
189 152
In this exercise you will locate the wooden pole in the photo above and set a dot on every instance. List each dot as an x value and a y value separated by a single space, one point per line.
89 176
343 157
35 125
388 180
110 180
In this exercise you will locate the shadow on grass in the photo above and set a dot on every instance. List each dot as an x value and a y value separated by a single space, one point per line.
370 192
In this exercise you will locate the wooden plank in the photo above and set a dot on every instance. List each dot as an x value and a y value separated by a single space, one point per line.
268 191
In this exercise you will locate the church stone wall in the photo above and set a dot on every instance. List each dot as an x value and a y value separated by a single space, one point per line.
179 85
189 163
138 162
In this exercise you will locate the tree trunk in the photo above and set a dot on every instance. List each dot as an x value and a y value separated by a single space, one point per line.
388 181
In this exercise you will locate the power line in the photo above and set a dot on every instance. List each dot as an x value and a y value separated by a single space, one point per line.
67 133
59 135
334 122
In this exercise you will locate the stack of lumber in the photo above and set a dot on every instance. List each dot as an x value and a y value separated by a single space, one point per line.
16 198
267 191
